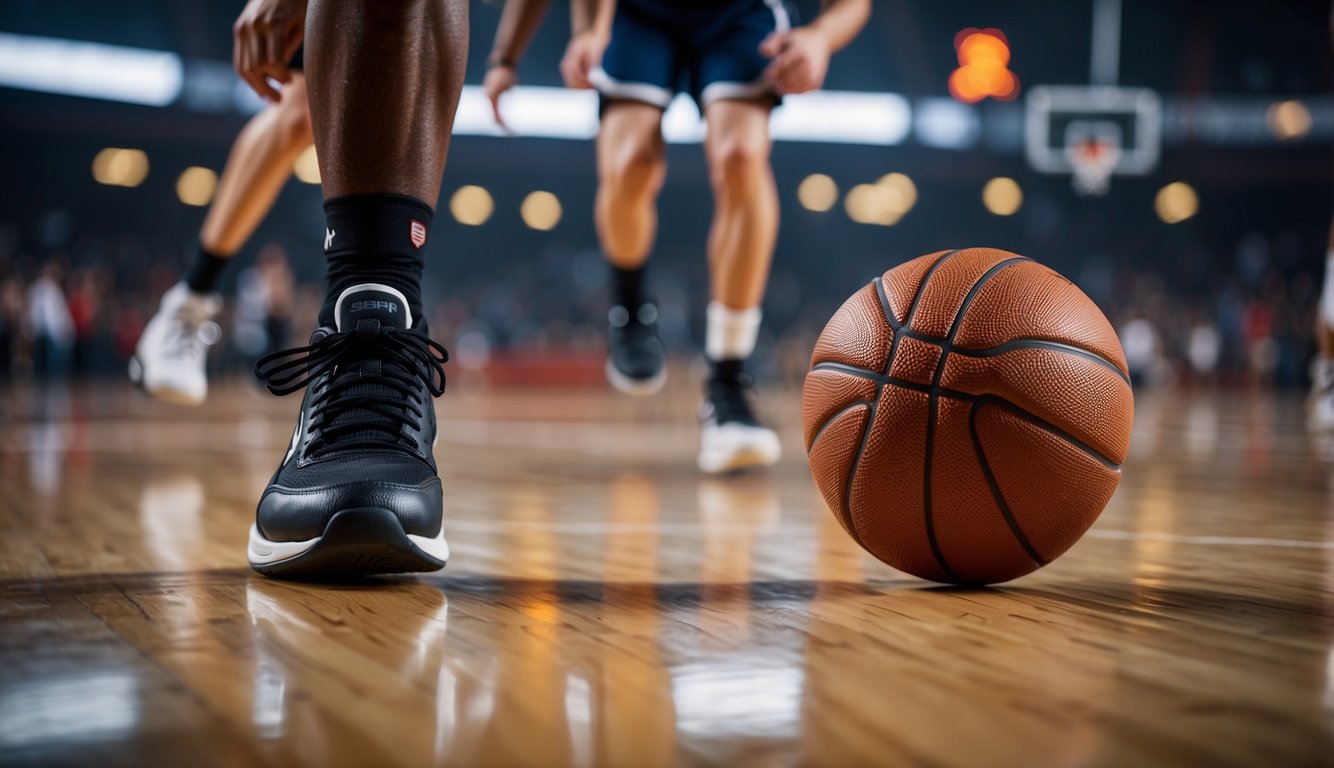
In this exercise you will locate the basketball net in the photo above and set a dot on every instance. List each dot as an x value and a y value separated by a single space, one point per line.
1091 162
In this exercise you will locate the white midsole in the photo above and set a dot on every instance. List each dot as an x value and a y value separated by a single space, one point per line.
723 450
629 386
261 551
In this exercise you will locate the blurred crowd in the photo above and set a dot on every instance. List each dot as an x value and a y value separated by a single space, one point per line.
64 315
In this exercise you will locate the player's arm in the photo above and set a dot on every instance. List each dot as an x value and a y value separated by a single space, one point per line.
266 36
518 24
801 56
590 27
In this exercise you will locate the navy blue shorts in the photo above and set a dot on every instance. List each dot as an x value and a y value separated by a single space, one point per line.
706 48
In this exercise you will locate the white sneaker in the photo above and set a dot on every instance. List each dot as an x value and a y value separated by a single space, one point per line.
168 361
731 437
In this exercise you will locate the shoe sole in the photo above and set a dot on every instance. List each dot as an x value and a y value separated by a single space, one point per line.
637 387
355 542
750 457
136 371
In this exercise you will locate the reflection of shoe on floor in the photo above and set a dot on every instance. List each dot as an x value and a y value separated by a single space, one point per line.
168 361
1321 416
358 491
739 501
731 436
636 361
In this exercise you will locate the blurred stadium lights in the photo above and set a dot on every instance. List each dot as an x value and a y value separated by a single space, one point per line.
1288 120
94 70
870 204
1002 196
1247 120
840 117
541 210
307 166
1176 202
160 78
882 203
120 167
946 124
471 205
903 189
195 185
817 192
843 117
984 56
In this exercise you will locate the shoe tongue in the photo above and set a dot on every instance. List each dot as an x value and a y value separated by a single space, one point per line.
356 306
372 301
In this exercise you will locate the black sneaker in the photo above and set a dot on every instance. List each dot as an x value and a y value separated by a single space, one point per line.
636 361
357 492
731 436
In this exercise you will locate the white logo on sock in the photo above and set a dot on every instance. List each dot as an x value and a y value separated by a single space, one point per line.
328 238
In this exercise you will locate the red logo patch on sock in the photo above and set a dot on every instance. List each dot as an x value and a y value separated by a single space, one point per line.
417 233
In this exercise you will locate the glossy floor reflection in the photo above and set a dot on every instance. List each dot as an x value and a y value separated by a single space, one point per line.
607 605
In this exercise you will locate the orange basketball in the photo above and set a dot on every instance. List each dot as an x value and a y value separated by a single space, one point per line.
967 414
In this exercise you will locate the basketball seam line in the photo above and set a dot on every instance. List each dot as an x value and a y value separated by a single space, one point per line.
995 488
856 463
954 394
997 351
933 405
833 418
1010 346
1055 346
1048 427
879 390
884 304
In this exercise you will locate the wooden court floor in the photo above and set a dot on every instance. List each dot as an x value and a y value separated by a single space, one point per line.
607 605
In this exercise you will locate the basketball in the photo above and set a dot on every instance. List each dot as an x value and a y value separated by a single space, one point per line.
966 415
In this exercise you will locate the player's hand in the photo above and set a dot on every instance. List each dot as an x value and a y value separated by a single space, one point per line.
267 34
499 78
800 60
582 55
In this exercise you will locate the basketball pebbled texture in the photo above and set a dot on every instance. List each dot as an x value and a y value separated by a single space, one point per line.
966 415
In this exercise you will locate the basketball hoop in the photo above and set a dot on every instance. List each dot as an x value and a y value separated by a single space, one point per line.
1093 133
1091 164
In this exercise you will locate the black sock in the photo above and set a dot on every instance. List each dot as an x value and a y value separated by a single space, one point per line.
628 287
375 239
204 271
729 370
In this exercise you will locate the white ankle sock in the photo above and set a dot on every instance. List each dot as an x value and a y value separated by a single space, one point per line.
731 333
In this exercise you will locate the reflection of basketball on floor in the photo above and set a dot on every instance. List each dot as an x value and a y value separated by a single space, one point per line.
966 415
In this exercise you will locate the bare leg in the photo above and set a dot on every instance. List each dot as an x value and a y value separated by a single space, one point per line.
259 164
745 219
1321 416
384 85
1324 324
631 169
741 245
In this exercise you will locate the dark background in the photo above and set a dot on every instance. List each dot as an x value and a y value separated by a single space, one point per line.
1248 265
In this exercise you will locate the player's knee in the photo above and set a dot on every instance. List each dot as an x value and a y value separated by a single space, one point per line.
634 168
738 160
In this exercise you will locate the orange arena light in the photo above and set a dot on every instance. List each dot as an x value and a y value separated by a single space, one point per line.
984 56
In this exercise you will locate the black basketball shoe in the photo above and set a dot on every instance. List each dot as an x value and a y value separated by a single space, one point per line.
731 435
636 361
357 492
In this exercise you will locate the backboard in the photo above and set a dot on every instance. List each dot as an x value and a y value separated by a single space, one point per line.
1060 120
